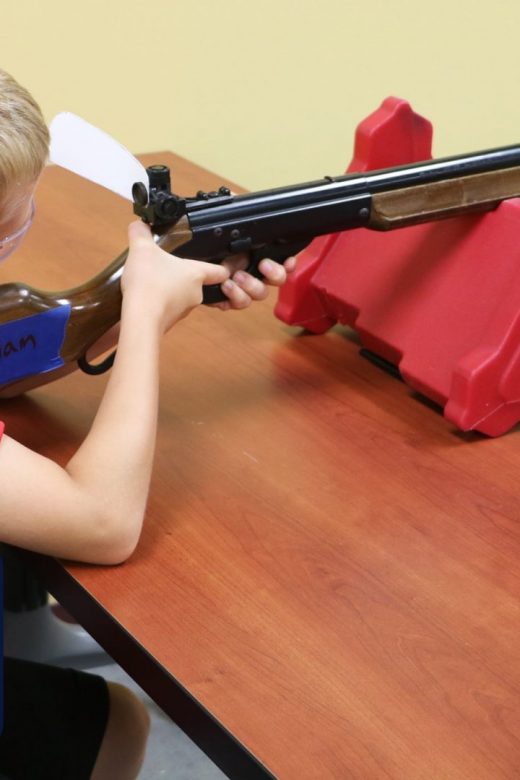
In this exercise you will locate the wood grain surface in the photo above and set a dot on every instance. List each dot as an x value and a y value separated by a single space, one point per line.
327 565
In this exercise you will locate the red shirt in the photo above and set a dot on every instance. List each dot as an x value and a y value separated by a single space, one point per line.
1 428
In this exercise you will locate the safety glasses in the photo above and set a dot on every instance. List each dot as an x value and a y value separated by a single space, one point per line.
12 242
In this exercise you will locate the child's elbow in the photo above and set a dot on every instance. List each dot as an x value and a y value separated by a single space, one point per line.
117 553
116 539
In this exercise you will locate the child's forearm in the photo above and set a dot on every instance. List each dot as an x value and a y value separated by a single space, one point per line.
114 462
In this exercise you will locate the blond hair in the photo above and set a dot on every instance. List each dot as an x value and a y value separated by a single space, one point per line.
24 137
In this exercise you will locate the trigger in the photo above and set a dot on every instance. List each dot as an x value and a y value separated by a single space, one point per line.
240 245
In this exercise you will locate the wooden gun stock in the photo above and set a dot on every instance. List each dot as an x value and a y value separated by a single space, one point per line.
443 199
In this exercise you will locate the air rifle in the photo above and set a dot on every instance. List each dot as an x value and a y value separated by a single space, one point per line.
44 335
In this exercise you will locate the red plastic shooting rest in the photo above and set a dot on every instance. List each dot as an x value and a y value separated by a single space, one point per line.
441 301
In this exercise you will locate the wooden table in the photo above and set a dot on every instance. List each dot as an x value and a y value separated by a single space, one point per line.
329 574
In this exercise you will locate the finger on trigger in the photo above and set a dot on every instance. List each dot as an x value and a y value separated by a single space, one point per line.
236 262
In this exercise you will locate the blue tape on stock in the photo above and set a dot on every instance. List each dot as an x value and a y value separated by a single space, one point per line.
32 344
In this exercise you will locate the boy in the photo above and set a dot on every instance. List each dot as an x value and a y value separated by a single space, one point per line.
92 509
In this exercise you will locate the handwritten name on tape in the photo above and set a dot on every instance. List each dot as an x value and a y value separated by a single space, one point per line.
32 345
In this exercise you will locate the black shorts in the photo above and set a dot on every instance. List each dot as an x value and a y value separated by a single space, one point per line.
54 722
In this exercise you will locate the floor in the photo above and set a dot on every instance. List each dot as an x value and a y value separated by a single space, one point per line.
39 636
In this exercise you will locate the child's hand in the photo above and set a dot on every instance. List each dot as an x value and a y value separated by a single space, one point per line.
160 285
242 288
